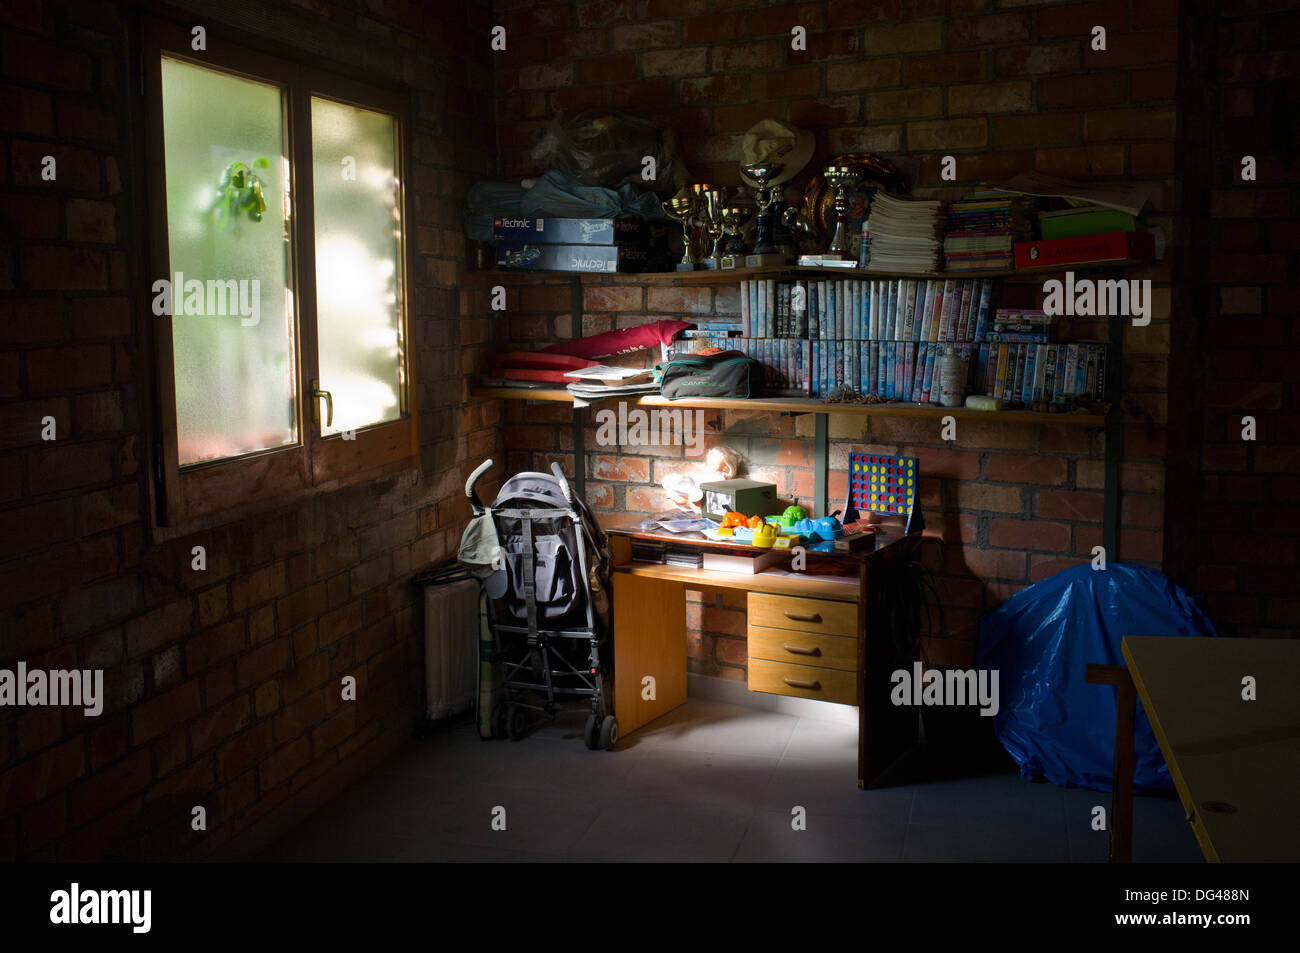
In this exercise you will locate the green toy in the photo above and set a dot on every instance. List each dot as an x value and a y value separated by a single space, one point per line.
792 515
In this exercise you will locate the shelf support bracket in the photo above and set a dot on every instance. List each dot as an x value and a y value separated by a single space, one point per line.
821 451
1114 445
579 422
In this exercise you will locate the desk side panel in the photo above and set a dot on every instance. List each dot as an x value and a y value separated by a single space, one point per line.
649 639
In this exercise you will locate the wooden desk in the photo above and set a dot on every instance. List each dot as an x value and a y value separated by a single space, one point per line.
1235 763
650 629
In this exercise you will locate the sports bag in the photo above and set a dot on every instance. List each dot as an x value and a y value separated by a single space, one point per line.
724 374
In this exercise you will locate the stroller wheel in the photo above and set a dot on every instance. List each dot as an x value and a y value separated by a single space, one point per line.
499 721
591 733
516 722
609 732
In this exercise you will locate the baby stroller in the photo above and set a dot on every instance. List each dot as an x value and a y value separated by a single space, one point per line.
545 565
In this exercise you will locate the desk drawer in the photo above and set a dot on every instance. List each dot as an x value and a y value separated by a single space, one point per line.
803 681
806 615
803 648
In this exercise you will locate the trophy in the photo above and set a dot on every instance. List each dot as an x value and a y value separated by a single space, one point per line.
711 215
765 253
683 208
736 213
840 178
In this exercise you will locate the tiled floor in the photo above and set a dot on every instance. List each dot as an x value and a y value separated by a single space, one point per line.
708 782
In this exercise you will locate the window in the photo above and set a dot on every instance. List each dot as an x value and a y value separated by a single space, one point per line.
277 278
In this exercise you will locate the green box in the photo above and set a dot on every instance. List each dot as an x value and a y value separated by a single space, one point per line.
746 496
1073 223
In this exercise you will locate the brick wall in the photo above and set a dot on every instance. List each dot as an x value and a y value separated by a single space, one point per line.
1002 87
1243 521
222 686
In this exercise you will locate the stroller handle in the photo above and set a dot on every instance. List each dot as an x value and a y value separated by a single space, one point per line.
564 483
473 478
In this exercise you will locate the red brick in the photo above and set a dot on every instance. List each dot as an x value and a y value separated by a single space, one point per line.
988 563
824 112
1070 504
888 40
215 645
905 104
1133 49
947 134
946 68
577 43
47 64
261 663
1029 535
1084 162
713 89
278 767
712 28
690 62
641 36
863 74
988 30
244 750
75 169
155 716
219 724
1009 468
1095 89
785 84
1150 85
48 268
334 730
988 98
1129 124
1031 60
607 69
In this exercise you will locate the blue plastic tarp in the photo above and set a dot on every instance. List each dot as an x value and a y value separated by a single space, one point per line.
1051 721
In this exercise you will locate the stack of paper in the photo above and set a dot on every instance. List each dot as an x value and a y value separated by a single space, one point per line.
603 380
905 234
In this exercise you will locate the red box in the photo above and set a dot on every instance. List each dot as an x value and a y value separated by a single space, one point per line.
1109 246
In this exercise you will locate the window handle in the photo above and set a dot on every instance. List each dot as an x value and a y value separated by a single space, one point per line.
329 402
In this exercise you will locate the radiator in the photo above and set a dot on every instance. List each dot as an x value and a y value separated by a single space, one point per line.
451 636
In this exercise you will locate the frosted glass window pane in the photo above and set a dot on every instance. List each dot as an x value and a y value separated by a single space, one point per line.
233 324
358 273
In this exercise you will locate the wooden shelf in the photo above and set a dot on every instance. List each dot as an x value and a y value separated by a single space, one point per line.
804 405
727 276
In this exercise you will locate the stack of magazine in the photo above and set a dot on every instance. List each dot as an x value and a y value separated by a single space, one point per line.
602 380
904 234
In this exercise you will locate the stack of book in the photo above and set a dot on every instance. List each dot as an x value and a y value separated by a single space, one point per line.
1020 365
903 234
889 338
982 229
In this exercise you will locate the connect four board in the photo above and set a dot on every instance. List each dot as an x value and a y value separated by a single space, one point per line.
883 484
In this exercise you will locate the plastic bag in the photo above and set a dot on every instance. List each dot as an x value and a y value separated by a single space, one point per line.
554 195
1052 722
607 148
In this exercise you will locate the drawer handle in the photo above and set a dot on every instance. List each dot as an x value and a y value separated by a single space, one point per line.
811 685
803 616
801 649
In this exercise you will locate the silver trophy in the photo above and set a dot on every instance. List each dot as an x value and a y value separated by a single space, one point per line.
840 178
765 253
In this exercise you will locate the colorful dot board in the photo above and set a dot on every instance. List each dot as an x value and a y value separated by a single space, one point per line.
883 484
